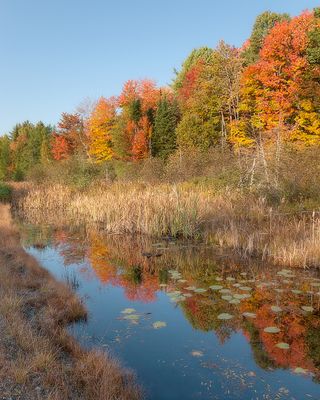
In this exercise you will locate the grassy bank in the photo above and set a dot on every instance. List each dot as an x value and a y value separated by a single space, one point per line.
233 219
38 358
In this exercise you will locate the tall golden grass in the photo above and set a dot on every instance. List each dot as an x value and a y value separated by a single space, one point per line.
232 219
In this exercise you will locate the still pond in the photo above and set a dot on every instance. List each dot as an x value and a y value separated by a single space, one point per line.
191 322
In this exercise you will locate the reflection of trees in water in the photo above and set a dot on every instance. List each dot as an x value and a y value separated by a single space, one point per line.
202 314
260 354
121 261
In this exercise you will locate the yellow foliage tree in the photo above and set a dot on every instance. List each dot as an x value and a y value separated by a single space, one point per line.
100 124
308 124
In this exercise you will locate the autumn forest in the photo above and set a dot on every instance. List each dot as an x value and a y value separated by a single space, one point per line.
266 92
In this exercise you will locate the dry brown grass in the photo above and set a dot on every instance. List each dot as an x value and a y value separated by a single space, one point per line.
238 220
38 358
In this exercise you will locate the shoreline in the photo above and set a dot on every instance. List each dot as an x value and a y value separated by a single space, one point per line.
39 359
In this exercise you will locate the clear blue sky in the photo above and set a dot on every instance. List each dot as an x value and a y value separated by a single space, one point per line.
54 53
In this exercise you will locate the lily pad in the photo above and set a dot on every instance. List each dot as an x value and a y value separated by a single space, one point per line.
307 308
190 288
239 296
225 291
226 297
315 284
132 317
230 279
245 288
197 353
159 324
234 301
276 309
249 315
200 290
300 370
128 311
216 287
271 329
225 316
296 291
283 346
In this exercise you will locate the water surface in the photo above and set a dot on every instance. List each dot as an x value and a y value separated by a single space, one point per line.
192 323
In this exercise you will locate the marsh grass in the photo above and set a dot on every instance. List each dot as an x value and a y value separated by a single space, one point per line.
234 219
38 353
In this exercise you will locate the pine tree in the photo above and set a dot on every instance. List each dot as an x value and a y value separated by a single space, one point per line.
164 140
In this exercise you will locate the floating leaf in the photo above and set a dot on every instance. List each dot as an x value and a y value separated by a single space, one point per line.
182 280
315 284
174 294
307 308
300 370
225 291
163 285
276 309
159 324
219 279
128 311
133 317
230 278
216 287
236 285
200 290
226 297
225 316
249 315
239 296
234 301
271 329
190 288
245 288
283 346
296 291
197 353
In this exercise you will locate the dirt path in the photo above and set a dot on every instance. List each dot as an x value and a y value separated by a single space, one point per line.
38 358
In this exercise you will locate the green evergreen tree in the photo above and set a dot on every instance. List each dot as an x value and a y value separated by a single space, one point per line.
4 157
313 49
164 140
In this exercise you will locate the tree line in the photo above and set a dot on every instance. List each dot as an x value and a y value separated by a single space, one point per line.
267 91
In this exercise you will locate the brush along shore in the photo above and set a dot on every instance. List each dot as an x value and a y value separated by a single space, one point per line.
236 220
39 359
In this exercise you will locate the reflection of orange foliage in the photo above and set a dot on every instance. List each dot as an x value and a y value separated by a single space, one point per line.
144 291
98 255
292 327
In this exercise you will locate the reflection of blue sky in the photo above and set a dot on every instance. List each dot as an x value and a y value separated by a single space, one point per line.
162 358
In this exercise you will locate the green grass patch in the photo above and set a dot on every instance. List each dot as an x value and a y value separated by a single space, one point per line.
5 192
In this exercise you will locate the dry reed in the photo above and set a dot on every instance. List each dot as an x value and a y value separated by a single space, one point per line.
236 220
